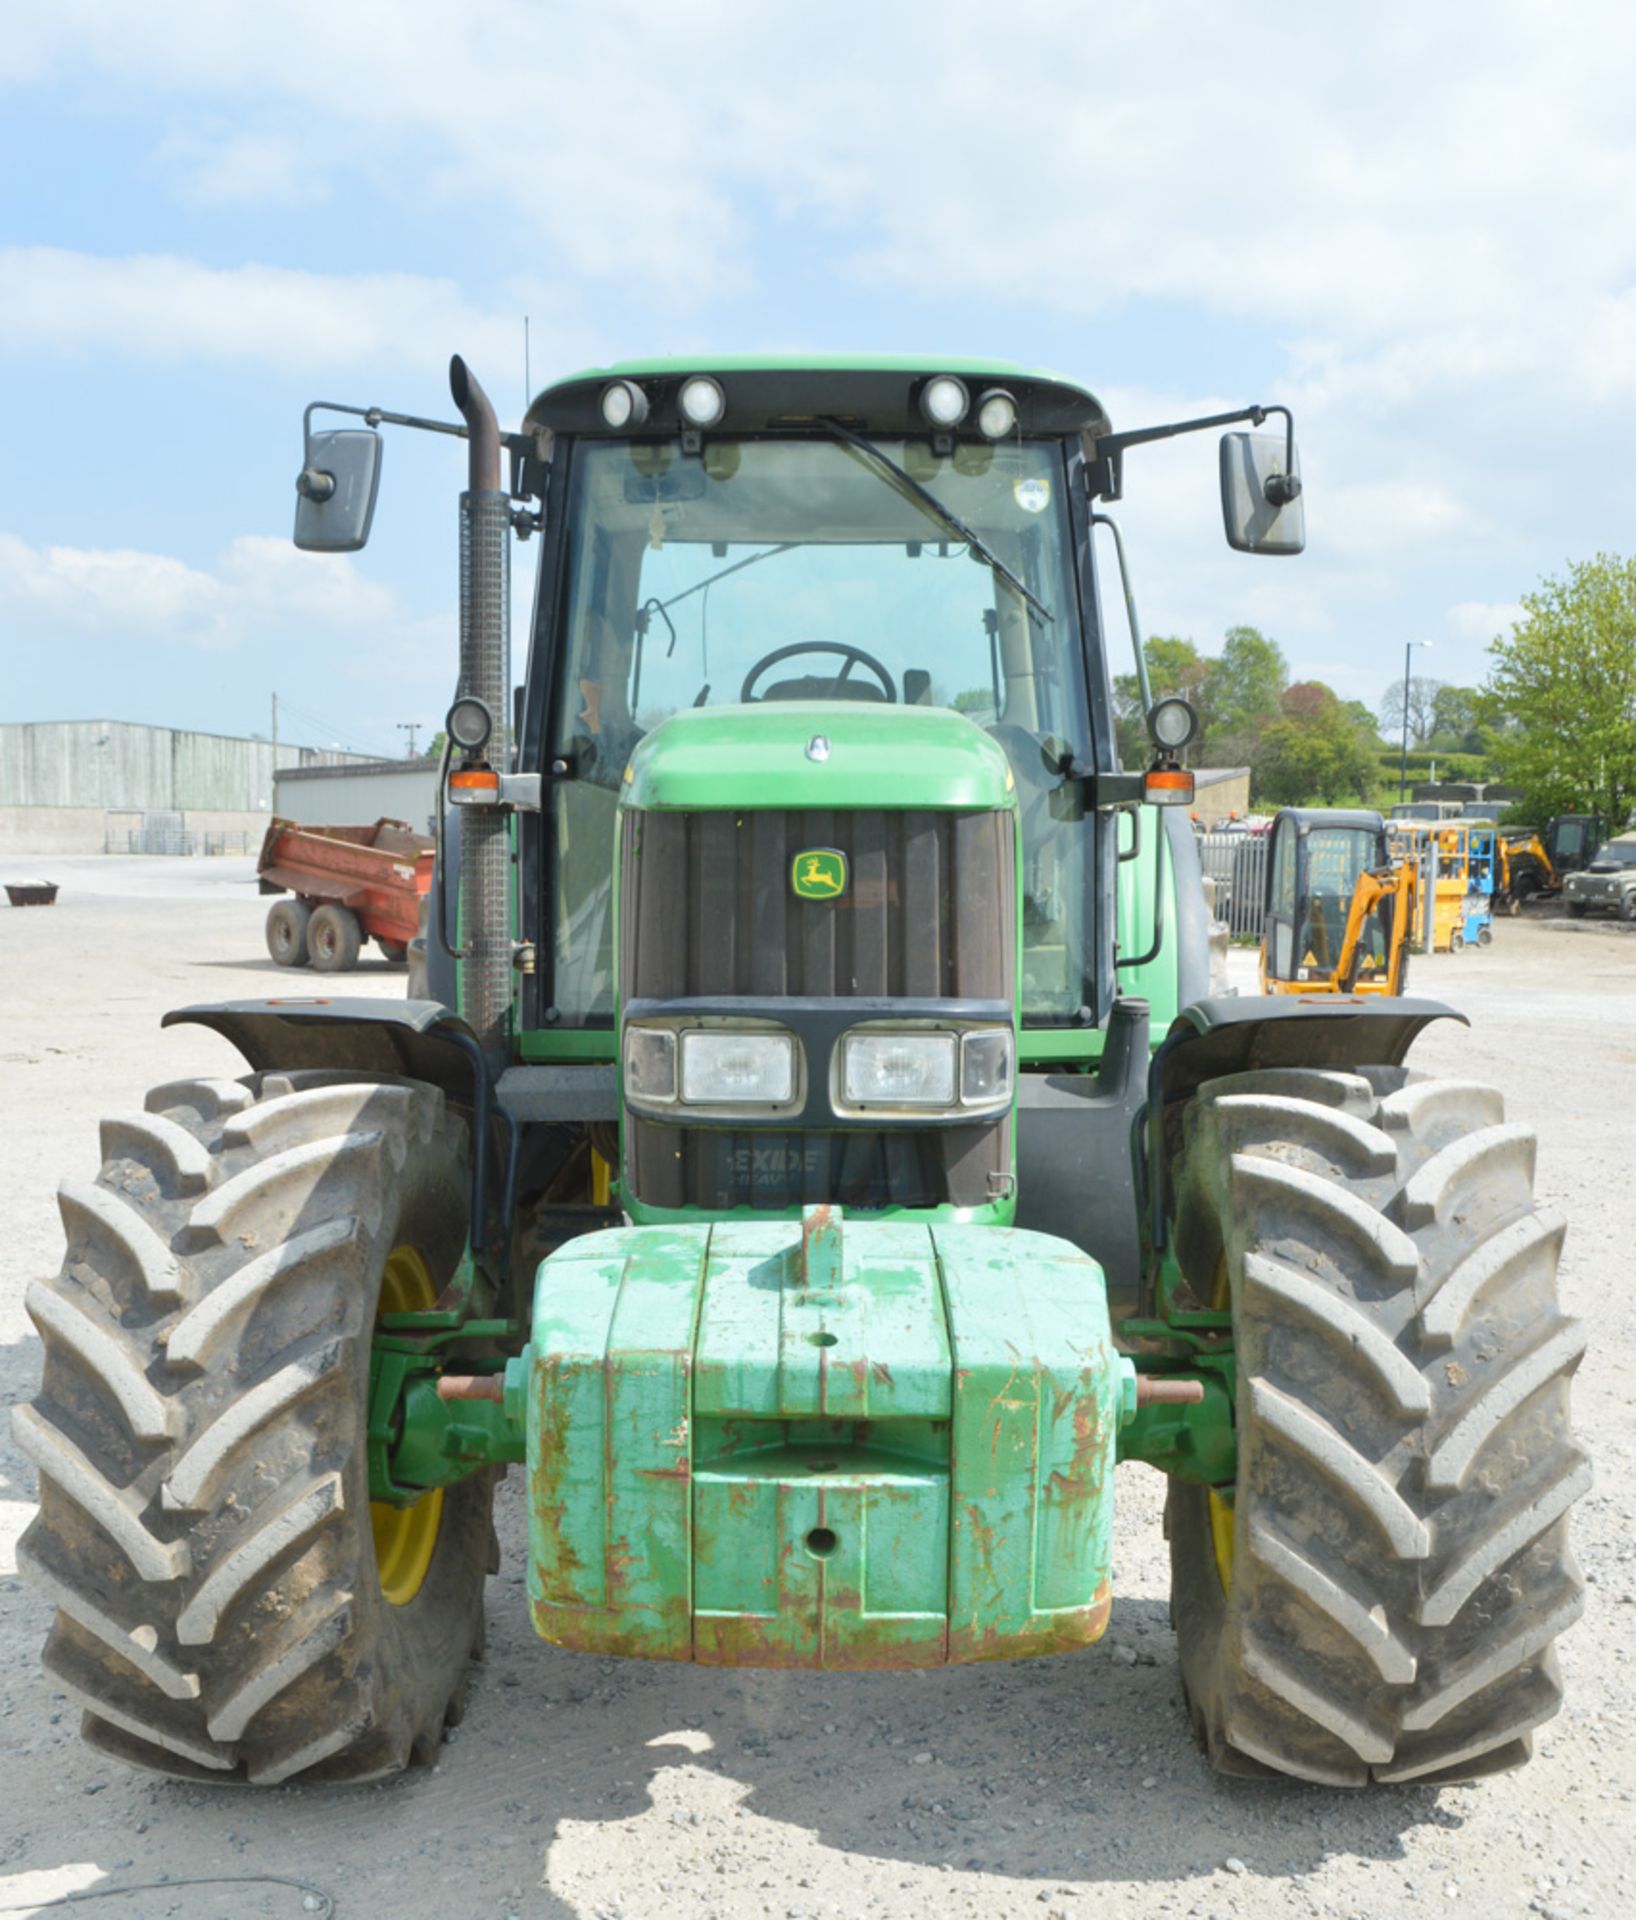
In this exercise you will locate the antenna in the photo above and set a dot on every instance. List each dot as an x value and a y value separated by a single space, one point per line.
528 384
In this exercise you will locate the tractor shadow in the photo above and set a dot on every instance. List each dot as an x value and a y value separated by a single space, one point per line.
577 1784
650 1786
377 964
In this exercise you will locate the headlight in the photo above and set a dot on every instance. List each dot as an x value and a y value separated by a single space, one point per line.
881 1069
899 1069
1172 723
721 1068
624 404
702 401
943 402
469 723
996 414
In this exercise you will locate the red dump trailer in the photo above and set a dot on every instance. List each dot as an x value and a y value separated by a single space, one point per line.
349 885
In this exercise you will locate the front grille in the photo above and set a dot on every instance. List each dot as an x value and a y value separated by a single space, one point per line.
706 906
707 910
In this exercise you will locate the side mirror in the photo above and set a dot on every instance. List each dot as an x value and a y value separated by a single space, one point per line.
1261 505
335 490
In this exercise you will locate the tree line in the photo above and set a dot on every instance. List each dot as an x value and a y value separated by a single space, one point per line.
1301 741
1555 718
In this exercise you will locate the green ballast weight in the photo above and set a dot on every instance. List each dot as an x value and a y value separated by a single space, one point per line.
809 1443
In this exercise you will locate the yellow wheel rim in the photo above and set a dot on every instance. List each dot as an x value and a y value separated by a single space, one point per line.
406 1537
1221 1538
1221 1511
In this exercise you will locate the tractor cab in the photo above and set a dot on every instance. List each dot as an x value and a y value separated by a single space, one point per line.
879 553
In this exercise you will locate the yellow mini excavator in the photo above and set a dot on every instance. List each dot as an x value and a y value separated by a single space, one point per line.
1339 912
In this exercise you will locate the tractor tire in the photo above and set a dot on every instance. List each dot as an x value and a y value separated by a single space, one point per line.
287 932
1379 1600
334 940
205 1528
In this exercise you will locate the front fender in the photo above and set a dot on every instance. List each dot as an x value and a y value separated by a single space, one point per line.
1239 1033
417 1038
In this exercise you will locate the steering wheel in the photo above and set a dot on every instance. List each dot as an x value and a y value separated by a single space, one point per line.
853 655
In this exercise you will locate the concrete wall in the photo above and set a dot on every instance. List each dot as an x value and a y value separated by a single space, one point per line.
358 795
1220 792
117 763
48 830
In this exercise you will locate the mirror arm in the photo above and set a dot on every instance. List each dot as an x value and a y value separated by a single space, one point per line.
528 450
1105 464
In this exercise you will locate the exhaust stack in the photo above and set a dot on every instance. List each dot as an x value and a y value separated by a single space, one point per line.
485 672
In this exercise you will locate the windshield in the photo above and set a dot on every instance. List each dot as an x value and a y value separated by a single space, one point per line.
800 569
1617 853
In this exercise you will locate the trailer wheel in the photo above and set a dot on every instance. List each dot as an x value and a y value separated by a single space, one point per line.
1485 937
397 951
1377 1597
334 940
1457 944
287 932
229 1604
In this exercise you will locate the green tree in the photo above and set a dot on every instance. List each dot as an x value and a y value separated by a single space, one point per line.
1563 688
1241 693
1318 752
1235 694
1457 720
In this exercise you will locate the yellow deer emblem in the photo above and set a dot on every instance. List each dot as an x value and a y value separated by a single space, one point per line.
819 873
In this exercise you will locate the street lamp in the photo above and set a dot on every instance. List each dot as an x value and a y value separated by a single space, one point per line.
1403 765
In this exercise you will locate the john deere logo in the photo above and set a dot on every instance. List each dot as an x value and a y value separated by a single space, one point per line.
819 874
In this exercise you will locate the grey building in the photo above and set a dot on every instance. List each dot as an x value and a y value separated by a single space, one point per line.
115 786
359 794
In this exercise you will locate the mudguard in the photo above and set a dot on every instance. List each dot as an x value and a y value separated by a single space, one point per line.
1239 1033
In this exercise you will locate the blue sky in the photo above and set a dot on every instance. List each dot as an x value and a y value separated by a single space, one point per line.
1416 226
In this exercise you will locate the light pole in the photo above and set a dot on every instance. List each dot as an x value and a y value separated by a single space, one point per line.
1403 764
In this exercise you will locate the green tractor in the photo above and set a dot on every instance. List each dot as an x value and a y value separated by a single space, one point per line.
814 1152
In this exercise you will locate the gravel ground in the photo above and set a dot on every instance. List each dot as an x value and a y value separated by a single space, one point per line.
600 1789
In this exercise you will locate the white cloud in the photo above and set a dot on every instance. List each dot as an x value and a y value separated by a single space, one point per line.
259 587
1429 201
1445 192
228 167
1484 620
162 308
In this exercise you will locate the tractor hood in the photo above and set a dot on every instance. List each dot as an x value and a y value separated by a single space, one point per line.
818 754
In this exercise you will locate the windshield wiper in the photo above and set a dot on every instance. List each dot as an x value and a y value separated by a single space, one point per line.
738 566
911 488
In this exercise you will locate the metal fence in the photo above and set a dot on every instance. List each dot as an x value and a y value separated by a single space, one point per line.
1237 863
169 834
